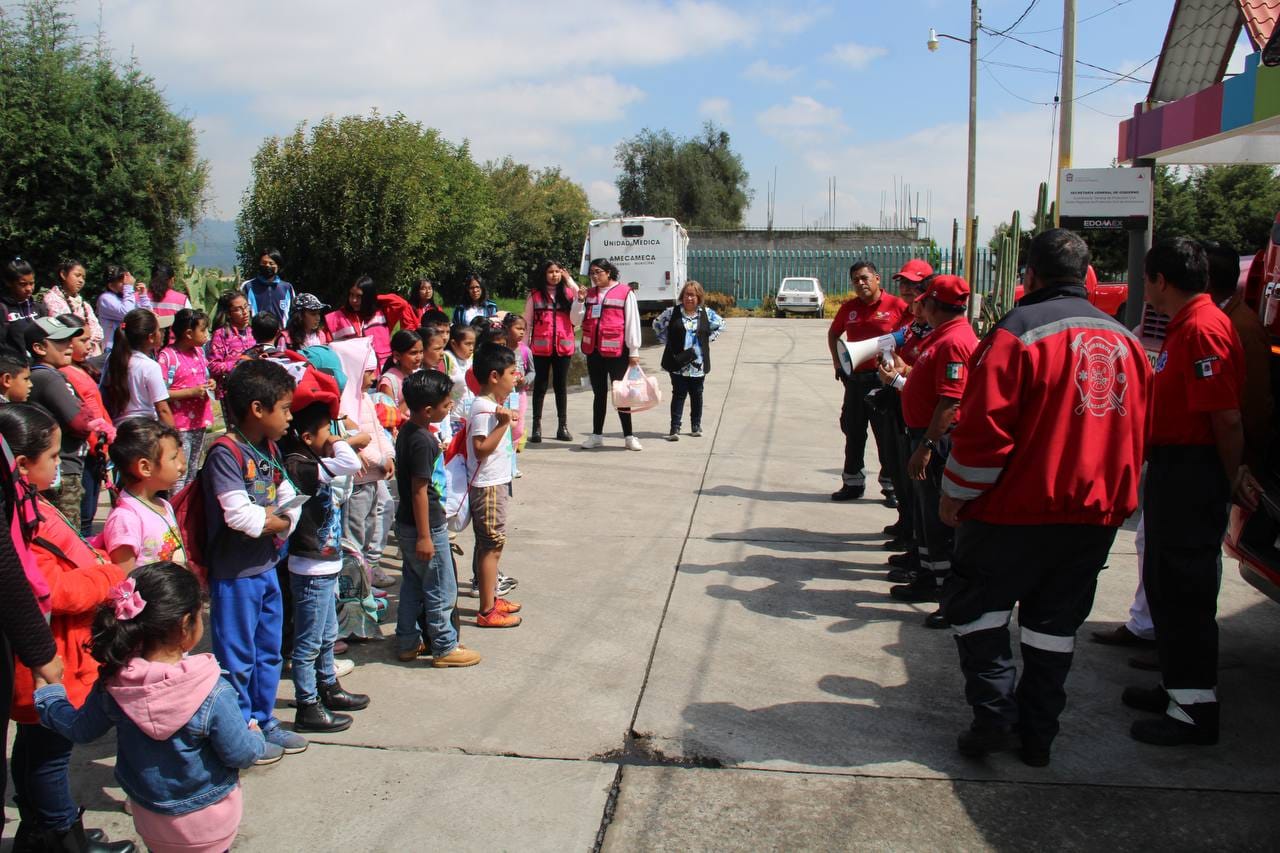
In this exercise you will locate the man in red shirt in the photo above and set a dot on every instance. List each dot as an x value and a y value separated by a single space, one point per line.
1044 467
1195 468
930 402
869 314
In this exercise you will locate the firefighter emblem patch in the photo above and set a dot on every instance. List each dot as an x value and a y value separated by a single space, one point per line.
1099 374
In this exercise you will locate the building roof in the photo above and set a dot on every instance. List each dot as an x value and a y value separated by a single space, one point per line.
1260 18
1197 46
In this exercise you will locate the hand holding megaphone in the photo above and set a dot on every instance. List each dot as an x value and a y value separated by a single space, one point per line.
854 353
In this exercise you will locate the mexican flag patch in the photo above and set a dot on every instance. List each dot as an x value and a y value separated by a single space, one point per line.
1209 367
955 369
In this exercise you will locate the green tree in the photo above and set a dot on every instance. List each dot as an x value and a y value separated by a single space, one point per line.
93 163
699 181
541 215
367 194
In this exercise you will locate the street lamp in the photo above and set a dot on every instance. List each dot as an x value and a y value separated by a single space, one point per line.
975 16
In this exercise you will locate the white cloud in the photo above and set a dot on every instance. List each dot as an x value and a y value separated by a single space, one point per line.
800 113
1013 156
855 56
716 109
532 81
603 196
767 72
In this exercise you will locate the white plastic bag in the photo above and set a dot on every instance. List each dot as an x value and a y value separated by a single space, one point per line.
636 392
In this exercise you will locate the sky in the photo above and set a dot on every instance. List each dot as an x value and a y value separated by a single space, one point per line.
843 90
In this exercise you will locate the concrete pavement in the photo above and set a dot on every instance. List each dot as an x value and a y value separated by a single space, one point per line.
710 660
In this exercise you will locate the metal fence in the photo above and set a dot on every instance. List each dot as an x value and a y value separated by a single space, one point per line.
750 275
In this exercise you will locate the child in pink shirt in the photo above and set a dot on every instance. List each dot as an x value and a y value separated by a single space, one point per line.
142 527
186 372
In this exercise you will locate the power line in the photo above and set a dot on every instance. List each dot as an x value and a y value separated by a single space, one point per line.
1025 12
1110 8
1119 74
1010 92
1054 71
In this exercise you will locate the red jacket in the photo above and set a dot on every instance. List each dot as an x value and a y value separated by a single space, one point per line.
79 579
1056 414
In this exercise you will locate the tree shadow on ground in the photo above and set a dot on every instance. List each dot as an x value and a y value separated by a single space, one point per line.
772 495
803 541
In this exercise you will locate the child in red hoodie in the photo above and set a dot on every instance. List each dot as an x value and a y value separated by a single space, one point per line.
181 739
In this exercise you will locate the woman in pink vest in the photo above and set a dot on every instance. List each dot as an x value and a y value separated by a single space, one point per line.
361 316
165 299
611 342
550 335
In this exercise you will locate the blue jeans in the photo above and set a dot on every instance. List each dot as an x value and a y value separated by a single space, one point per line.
91 480
41 777
682 387
430 585
315 630
246 618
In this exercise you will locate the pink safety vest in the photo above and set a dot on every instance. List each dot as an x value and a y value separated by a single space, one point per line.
606 332
551 327
172 302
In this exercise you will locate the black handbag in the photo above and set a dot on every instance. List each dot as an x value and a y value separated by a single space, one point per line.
683 359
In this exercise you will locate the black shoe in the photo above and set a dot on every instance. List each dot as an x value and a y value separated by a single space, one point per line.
891 500
1146 663
977 742
895 530
563 434
337 699
1153 700
1034 754
1167 731
902 575
901 561
899 544
315 717
76 838
848 493
535 435
937 620
1120 636
924 589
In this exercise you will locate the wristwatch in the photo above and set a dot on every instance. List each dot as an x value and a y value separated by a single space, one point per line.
930 444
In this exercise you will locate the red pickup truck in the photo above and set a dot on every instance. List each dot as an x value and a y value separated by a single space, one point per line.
1107 296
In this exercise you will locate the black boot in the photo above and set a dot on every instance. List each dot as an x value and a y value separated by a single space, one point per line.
535 435
1153 700
314 717
978 741
337 699
1170 731
76 840
562 433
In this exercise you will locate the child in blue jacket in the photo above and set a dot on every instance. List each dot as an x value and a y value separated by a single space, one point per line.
181 737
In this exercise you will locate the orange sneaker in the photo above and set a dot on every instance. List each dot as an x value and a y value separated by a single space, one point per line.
495 618
503 605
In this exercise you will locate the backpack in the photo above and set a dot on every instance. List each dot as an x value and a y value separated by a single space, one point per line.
189 509
458 475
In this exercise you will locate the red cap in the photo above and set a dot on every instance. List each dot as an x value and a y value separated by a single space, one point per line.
915 270
947 289
317 387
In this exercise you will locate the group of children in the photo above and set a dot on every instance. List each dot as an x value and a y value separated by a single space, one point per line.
262 520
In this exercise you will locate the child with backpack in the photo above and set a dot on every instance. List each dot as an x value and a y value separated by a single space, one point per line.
78 578
231 337
84 376
430 584
405 359
49 343
180 739
142 527
313 458
249 511
186 371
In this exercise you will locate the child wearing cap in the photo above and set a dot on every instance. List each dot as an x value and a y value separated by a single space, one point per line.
313 458
49 343
306 326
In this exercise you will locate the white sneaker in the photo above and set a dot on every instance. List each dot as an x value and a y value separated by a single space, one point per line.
633 443
341 667
593 441
673 437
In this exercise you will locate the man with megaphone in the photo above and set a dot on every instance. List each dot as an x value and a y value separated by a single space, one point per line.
862 321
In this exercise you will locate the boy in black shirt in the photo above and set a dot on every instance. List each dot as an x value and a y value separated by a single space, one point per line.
429 582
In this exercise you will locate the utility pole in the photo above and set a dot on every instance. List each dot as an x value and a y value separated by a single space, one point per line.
1067 98
971 184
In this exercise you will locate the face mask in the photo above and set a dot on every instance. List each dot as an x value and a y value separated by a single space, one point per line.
57 476
266 273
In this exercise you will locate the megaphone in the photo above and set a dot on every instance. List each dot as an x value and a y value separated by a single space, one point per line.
854 353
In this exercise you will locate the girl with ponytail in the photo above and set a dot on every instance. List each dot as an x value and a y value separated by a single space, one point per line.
181 739
134 385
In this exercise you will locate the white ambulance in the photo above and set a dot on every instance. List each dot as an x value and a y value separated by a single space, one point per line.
651 251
